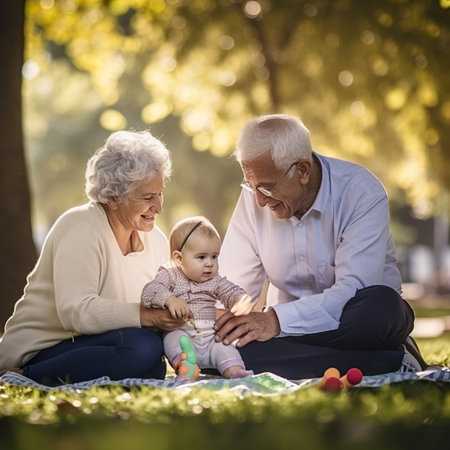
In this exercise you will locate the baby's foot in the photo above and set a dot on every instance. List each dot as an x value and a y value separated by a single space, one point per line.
241 373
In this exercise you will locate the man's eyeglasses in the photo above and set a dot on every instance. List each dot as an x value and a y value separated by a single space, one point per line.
267 192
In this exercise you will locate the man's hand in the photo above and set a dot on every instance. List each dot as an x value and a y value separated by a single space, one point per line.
159 318
255 326
178 308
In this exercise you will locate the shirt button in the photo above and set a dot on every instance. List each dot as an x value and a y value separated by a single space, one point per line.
302 258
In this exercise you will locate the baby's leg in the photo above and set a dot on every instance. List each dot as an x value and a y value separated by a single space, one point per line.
185 366
172 348
228 361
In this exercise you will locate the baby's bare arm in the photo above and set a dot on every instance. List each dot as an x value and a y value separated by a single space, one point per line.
243 305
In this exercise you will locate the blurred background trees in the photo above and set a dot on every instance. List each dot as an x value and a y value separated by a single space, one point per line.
369 79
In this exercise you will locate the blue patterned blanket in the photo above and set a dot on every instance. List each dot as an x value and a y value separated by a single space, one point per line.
263 384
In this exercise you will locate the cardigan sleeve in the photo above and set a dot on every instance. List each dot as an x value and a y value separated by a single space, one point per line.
159 290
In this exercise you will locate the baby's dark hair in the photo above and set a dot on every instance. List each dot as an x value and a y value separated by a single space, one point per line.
183 229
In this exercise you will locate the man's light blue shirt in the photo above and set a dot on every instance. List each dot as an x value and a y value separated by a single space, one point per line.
315 264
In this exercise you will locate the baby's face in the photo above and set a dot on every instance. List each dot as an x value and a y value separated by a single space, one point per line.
200 258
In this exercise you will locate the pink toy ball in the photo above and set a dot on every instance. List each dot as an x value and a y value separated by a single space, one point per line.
354 376
332 384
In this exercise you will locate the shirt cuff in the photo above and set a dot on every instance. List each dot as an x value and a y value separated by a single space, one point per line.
297 319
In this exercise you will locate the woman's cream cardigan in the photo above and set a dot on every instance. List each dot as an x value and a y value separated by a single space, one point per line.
81 284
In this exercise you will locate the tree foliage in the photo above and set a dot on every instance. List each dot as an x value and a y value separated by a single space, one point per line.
370 79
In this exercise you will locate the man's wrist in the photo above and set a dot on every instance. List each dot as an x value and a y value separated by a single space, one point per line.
274 320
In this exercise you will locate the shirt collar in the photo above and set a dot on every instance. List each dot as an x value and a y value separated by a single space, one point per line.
321 199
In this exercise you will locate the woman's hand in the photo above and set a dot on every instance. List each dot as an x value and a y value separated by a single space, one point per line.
159 318
255 326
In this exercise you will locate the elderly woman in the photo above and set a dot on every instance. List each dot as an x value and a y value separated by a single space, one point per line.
80 316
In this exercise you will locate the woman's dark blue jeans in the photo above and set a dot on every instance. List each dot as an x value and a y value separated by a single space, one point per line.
118 354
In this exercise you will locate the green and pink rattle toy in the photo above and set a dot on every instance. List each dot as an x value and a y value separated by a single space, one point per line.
187 368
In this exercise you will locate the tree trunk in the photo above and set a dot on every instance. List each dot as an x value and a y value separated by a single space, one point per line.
17 249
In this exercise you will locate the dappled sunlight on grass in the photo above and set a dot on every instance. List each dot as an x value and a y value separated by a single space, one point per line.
407 403
118 417
115 417
436 350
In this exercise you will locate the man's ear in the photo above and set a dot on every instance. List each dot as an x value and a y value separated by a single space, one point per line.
177 257
304 170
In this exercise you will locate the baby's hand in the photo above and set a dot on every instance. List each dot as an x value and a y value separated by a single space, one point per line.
178 308
242 306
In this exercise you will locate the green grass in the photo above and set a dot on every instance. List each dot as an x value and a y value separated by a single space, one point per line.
436 350
431 312
406 415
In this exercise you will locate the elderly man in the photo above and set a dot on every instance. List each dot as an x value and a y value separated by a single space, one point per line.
318 229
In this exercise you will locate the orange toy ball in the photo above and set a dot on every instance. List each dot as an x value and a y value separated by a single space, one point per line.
332 372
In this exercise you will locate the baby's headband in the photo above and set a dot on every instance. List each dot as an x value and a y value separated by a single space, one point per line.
190 232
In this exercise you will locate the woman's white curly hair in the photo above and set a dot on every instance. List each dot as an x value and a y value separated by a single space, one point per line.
128 159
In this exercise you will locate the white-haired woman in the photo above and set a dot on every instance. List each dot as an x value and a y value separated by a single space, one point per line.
80 316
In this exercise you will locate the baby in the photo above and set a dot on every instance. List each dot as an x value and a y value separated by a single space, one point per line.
189 286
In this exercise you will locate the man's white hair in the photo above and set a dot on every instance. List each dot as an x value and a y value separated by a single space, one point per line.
283 136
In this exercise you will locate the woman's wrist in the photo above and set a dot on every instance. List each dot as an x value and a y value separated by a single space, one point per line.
147 317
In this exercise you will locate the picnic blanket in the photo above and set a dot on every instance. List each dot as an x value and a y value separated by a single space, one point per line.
262 384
